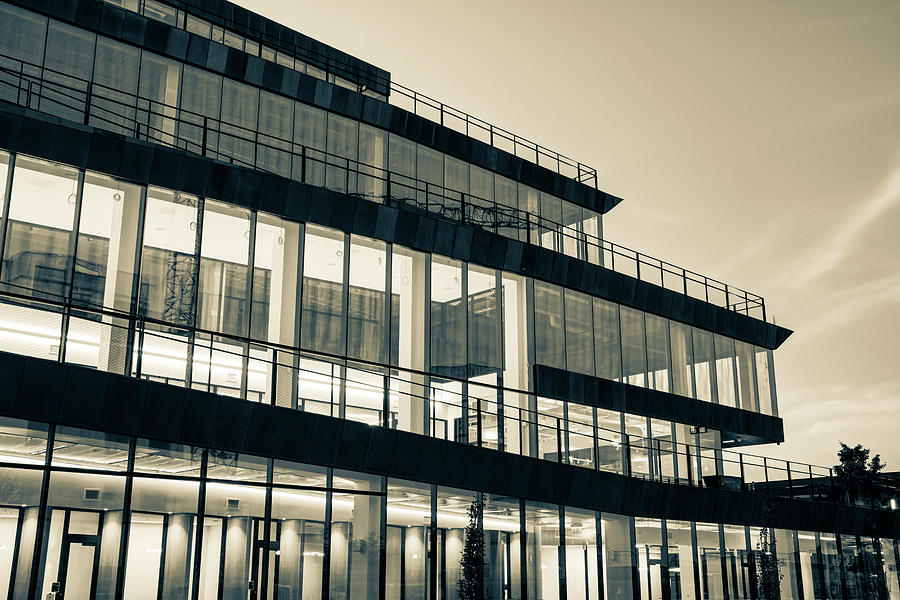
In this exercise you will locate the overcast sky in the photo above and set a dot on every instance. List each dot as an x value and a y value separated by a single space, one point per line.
754 142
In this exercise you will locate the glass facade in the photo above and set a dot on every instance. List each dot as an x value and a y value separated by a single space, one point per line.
198 293
194 292
94 515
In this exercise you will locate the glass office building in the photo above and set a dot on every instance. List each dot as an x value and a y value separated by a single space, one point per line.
271 323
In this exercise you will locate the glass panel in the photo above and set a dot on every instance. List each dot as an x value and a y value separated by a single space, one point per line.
831 561
608 351
39 242
725 379
581 555
709 560
529 202
107 242
163 458
652 566
402 165
367 329
542 550
407 545
408 293
223 302
20 497
231 528
321 325
84 449
373 148
158 91
682 564
168 277
737 562
448 318
786 548
609 441
276 270
300 517
240 111
634 354
550 219
617 551
502 547
451 521
429 172
201 93
68 64
548 325
273 152
704 365
84 519
682 359
765 381
572 238
355 536
115 84
579 333
22 38
160 555
658 352
484 334
746 376
342 142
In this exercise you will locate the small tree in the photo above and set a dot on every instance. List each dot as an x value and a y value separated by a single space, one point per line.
768 575
472 560
856 475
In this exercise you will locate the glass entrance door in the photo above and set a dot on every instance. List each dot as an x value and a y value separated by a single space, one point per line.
76 577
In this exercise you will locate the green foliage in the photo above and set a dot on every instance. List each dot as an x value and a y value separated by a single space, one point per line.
857 475
768 575
472 560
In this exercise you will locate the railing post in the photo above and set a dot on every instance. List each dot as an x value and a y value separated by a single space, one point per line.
684 280
812 486
627 456
478 422
743 480
87 102
766 473
831 482
462 208
727 299
559 446
790 481
204 136
690 469
303 164
387 198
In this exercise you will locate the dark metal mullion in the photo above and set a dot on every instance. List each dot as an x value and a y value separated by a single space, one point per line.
248 294
598 546
161 579
433 548
195 276
198 534
15 557
126 519
42 516
561 553
665 582
136 284
523 550
263 579
387 336
382 544
326 536
73 251
4 219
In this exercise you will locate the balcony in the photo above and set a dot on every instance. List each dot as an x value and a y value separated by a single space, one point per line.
41 89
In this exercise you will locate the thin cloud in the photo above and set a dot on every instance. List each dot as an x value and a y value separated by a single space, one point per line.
836 247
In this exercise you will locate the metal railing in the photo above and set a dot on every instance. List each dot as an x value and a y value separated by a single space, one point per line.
440 406
91 103
419 104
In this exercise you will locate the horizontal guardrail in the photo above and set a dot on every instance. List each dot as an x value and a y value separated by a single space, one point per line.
81 100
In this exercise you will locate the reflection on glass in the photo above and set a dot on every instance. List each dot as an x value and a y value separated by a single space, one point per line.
355 536
37 260
617 566
549 331
407 545
321 325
